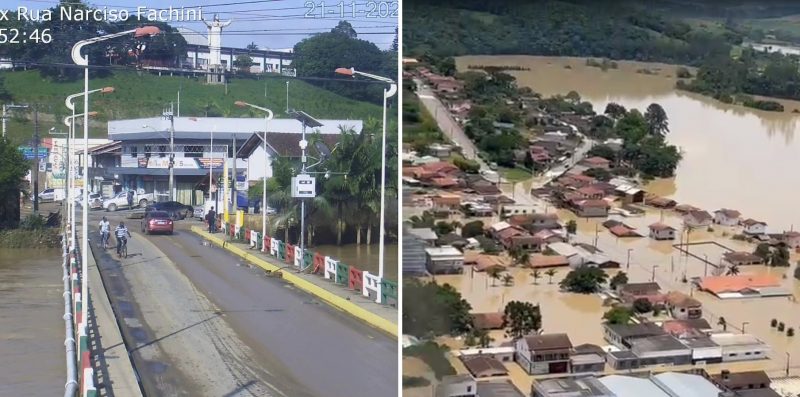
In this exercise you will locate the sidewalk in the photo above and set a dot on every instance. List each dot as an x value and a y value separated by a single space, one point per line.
383 317
113 369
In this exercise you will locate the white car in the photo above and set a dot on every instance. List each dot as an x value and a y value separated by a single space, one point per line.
120 200
95 200
47 195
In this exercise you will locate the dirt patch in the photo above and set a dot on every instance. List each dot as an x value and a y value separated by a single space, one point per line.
19 238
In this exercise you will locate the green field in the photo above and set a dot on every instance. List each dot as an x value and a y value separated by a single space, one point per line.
515 174
146 95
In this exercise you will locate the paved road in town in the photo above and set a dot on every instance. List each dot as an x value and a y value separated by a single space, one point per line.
199 322
446 123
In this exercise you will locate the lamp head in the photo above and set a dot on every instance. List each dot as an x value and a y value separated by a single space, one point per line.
345 71
107 90
240 104
145 31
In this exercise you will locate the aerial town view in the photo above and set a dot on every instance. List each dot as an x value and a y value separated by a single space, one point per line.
597 198
198 198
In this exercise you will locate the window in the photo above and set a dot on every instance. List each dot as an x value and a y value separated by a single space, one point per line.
147 151
134 151
162 150
469 389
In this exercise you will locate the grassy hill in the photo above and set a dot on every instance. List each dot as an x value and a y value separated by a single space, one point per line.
146 95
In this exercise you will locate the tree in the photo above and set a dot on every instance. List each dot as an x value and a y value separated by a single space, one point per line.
432 310
584 280
683 73
520 256
494 273
243 63
550 273
615 110
601 174
781 256
472 229
657 120
484 340
573 97
536 274
508 280
732 270
632 127
642 305
319 55
572 226
442 227
466 165
603 151
763 250
618 315
521 318
252 46
447 66
13 168
619 279
723 323
425 220
344 28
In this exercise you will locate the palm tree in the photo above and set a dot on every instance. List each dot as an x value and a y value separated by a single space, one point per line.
732 270
536 274
483 338
723 323
494 273
508 280
550 273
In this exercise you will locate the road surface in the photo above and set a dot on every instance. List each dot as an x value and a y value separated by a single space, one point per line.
199 322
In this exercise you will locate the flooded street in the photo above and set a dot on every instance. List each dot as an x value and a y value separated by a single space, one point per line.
364 257
734 157
31 326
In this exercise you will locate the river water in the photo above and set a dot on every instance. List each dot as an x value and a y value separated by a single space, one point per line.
733 157
31 324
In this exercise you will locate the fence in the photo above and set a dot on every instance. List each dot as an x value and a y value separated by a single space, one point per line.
80 372
346 276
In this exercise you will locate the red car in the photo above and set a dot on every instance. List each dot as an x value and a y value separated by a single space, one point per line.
157 222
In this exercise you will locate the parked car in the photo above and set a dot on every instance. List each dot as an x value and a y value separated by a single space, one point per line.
95 200
175 209
120 200
47 195
157 222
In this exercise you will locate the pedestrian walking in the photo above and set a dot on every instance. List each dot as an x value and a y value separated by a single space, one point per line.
211 218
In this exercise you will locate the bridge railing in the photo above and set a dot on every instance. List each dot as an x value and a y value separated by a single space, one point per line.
347 276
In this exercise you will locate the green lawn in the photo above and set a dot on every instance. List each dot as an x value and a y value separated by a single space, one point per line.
145 95
515 174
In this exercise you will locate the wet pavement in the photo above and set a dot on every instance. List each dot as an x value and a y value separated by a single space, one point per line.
206 324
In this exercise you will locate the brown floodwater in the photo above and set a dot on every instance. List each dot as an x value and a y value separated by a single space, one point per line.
31 324
733 157
364 257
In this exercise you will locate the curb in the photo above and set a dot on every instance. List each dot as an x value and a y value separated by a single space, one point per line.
313 289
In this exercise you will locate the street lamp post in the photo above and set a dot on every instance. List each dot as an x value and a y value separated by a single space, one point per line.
267 118
628 262
69 121
388 92
81 60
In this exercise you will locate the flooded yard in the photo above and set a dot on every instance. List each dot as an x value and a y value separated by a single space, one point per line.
31 325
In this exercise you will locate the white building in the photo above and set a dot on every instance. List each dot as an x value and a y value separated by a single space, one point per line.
754 227
444 259
198 55
740 347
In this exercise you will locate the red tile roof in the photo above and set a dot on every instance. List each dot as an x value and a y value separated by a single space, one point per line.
721 284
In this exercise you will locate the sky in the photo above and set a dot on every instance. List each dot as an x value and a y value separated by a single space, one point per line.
271 24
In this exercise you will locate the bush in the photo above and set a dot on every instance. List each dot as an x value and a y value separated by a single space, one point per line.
781 326
32 222
433 355
773 323
790 332
797 271
468 166
414 381
642 305
683 73
472 229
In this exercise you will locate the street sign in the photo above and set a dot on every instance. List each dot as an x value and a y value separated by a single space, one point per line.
304 186
27 151
42 167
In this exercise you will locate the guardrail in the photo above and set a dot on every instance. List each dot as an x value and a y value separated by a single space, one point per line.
78 381
349 277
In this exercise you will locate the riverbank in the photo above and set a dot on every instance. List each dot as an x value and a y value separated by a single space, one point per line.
32 239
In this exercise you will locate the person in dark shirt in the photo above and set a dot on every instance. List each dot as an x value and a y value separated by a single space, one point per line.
211 218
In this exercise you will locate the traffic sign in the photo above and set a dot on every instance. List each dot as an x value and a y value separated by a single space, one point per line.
27 151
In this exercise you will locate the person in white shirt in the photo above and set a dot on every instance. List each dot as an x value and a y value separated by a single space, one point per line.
105 228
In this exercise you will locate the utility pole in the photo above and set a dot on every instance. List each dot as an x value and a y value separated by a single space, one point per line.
287 97
170 115
35 173
234 204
